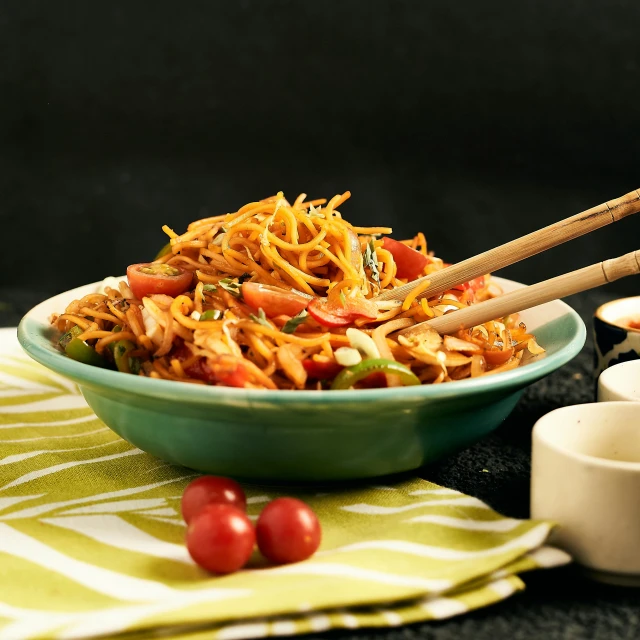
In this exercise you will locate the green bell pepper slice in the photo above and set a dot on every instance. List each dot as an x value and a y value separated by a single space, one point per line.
80 351
351 375
67 337
124 362
211 314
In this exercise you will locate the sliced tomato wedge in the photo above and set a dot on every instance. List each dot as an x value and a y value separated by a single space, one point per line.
273 301
149 278
409 262
225 370
321 370
341 315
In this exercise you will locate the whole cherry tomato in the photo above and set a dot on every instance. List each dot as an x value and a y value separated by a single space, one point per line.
288 531
211 490
220 538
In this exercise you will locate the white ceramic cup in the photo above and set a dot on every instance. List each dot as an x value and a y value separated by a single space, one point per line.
620 382
585 476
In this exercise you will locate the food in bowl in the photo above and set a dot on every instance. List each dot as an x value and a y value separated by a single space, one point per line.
307 435
281 296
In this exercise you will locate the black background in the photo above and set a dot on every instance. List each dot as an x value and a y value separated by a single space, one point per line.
473 121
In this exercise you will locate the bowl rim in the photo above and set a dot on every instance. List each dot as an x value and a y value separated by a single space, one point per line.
30 341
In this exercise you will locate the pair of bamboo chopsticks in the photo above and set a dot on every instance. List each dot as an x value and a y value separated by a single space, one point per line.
519 249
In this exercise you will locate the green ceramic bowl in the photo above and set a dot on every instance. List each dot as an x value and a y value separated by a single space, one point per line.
303 435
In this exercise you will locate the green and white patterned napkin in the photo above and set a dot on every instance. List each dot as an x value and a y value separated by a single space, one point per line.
91 541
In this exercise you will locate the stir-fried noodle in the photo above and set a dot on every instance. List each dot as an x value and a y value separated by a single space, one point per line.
278 296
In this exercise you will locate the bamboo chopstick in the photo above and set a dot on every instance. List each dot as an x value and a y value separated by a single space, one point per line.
527 297
522 248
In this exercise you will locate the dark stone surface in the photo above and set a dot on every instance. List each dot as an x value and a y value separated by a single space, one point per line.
558 604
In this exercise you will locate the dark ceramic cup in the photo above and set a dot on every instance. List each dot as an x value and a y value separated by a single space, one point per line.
616 340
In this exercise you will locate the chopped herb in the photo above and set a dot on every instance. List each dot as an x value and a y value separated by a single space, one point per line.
343 299
292 324
232 286
211 314
371 261
261 318
209 287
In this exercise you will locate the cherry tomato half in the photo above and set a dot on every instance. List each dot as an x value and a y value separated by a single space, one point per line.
221 538
223 369
288 531
495 358
211 490
321 370
341 315
149 278
273 301
409 262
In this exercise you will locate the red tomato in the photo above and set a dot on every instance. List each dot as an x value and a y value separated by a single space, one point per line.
474 285
287 531
410 263
339 315
273 301
221 538
226 370
223 369
496 358
149 278
211 490
374 381
321 370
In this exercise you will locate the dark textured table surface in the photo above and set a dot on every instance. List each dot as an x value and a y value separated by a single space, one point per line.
557 604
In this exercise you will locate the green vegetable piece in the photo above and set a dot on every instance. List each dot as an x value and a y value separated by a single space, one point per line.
261 318
80 351
232 286
291 325
371 261
211 314
351 375
67 337
209 287
164 251
121 351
